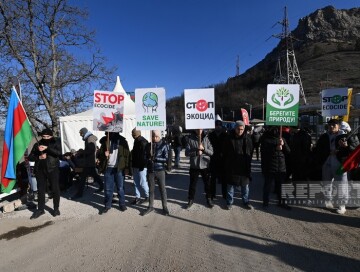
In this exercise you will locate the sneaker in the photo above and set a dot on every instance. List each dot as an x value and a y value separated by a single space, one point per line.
135 201
210 203
105 210
190 203
341 209
35 196
145 200
123 208
228 207
37 214
148 210
56 213
248 206
329 205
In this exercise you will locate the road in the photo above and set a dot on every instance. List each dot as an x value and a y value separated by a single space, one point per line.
198 239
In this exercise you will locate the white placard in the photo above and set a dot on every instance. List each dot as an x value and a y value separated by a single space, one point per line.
108 111
334 102
150 104
199 108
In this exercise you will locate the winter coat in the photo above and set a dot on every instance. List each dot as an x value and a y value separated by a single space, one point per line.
192 147
157 157
138 153
53 153
322 150
273 160
123 156
237 162
217 141
86 157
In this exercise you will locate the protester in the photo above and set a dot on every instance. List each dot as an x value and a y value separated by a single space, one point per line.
157 155
86 161
138 163
199 149
273 165
331 150
217 137
114 163
46 153
237 152
255 137
353 142
300 155
176 143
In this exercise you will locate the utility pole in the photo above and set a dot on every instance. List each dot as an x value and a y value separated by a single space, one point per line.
287 71
237 66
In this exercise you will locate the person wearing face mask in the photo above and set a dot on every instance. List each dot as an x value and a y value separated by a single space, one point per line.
217 137
46 153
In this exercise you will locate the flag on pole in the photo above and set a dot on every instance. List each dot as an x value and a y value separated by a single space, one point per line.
351 162
17 138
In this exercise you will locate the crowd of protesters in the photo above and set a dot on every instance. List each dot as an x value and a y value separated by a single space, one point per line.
219 157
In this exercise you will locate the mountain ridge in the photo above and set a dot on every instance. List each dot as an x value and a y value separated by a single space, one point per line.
327 50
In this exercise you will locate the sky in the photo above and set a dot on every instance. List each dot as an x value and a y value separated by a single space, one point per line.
190 44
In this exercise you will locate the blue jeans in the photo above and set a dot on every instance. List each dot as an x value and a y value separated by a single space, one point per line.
244 193
177 151
113 177
140 182
33 184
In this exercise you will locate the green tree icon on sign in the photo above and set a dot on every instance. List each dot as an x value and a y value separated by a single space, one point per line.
282 97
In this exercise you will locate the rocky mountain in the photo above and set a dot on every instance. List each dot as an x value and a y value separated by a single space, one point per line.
327 50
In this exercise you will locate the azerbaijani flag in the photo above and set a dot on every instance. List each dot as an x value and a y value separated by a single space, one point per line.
16 139
351 162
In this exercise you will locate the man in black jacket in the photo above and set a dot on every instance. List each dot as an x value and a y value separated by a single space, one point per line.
217 138
87 163
46 154
138 163
237 153
273 150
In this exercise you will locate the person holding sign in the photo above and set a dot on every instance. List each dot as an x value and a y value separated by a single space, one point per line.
273 165
199 149
114 163
157 155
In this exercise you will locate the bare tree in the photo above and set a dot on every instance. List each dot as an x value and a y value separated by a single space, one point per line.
45 44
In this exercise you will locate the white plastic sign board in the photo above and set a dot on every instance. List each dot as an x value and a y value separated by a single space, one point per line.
334 102
199 108
150 104
108 111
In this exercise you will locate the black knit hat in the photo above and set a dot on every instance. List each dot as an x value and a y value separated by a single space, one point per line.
46 131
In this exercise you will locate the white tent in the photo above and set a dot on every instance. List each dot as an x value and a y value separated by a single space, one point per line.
70 125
